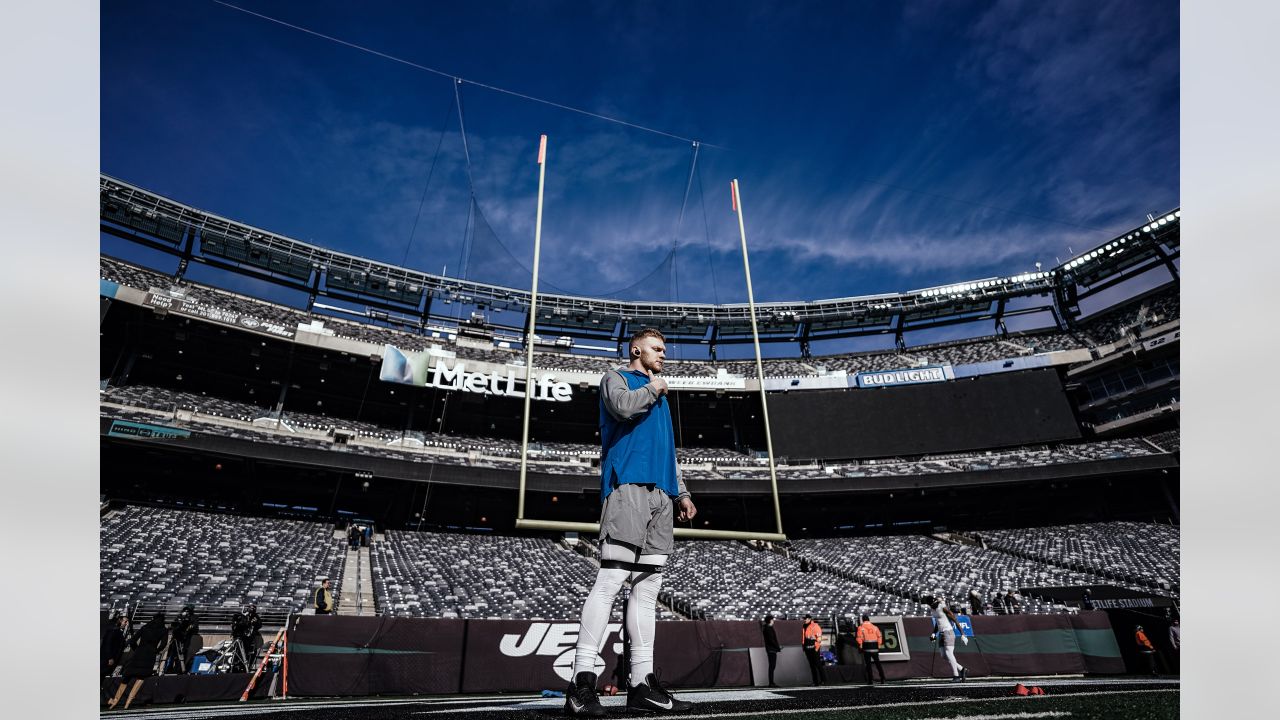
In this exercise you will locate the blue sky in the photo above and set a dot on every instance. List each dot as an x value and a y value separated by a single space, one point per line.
880 146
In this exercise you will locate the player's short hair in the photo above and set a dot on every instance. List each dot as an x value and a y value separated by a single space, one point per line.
644 333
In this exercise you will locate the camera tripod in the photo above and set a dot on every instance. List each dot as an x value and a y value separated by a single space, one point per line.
176 654
237 656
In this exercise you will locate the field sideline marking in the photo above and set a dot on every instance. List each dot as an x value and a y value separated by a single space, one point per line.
1006 716
251 710
845 708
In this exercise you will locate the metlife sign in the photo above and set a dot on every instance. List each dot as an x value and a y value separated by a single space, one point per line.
913 376
416 368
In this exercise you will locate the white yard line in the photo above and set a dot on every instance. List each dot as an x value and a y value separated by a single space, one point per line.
1006 716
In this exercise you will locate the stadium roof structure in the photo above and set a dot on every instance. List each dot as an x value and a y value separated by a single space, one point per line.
191 234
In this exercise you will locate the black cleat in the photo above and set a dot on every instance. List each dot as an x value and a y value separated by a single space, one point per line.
651 696
580 700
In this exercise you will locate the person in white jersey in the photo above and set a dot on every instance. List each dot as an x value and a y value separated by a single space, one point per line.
945 629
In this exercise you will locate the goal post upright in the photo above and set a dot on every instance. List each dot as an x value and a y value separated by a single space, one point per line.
529 333
755 340
523 523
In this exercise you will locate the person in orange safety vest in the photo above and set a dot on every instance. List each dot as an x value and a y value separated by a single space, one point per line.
869 641
1145 647
811 640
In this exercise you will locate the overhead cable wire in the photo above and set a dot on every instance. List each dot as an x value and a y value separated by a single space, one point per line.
462 127
465 260
478 214
551 103
444 130
675 241
454 77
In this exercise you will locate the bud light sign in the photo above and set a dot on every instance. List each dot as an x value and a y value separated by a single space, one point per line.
912 376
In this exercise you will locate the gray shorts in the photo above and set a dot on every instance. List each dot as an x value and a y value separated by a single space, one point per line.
639 515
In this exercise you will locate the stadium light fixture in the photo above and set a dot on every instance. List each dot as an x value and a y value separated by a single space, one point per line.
1177 213
1169 217
1146 228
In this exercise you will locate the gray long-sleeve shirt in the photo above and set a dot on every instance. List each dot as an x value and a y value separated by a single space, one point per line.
623 404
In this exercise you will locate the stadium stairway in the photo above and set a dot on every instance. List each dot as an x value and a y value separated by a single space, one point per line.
356 595
1020 349
955 538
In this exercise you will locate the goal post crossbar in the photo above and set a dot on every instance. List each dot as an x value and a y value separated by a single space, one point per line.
687 533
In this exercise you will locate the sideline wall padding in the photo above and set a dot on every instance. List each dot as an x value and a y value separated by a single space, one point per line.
330 655
343 655
167 689
1019 645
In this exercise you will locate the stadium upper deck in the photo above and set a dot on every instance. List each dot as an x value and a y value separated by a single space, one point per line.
424 299
1103 329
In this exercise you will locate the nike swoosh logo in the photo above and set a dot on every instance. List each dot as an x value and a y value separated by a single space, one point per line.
575 705
664 707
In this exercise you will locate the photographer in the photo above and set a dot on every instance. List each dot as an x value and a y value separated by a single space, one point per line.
113 641
245 627
146 645
183 629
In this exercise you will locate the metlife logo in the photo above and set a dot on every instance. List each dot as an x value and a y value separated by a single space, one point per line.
555 641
